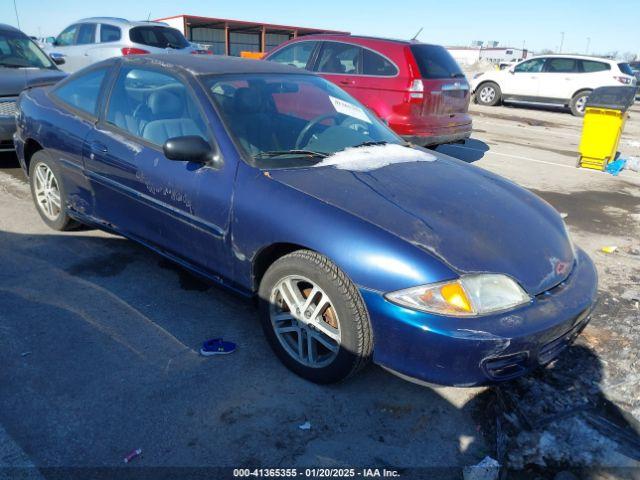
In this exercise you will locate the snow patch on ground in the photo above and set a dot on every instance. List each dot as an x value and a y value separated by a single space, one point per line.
363 159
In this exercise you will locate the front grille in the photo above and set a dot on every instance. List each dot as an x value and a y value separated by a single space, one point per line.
506 367
552 349
7 108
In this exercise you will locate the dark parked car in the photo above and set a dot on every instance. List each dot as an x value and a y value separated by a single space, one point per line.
22 64
417 89
275 183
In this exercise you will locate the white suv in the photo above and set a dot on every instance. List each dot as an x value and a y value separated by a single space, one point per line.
560 80
94 39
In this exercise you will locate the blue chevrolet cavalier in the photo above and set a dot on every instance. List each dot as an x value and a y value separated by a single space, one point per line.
275 183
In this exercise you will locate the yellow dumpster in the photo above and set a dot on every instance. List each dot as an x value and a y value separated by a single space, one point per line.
604 119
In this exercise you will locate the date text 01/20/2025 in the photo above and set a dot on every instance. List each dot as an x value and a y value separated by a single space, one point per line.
316 472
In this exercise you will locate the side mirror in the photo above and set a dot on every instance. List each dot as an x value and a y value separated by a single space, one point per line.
512 70
57 58
190 148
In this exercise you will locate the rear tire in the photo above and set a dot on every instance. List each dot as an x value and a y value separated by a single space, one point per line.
326 336
489 94
578 103
48 193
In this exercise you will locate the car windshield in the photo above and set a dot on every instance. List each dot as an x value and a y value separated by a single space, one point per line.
158 36
288 120
19 51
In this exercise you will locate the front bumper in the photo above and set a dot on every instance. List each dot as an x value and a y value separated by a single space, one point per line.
425 141
7 129
468 352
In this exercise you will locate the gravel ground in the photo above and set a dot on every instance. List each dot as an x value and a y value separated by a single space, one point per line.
99 338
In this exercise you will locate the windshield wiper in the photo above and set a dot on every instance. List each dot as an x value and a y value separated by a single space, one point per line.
282 153
373 143
370 143
13 65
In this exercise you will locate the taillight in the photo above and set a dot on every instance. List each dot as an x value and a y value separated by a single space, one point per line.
134 51
623 80
416 89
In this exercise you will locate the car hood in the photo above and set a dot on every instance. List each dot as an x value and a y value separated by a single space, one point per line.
14 80
469 218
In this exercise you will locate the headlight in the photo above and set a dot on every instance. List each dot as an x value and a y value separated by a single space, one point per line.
475 294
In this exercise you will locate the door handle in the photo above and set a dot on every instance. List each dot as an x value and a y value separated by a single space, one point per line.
97 147
346 82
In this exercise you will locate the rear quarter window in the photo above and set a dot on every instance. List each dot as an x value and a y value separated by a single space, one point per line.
82 93
590 66
109 33
375 64
435 62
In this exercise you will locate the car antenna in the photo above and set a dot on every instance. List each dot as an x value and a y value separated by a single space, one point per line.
416 35
26 75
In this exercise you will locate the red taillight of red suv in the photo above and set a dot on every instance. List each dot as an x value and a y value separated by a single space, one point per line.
134 51
416 90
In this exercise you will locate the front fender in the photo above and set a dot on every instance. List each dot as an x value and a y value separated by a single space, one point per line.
267 212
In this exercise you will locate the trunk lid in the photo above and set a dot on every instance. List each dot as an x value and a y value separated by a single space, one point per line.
446 90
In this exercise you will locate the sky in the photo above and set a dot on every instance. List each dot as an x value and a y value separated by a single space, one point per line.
538 24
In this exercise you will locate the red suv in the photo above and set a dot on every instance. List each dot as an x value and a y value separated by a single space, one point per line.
417 89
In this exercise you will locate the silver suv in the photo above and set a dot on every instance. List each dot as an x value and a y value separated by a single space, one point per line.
94 39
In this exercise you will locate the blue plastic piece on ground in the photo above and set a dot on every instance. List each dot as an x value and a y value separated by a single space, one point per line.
217 346
615 167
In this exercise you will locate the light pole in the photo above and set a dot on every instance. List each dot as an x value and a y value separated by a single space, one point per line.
588 43
561 42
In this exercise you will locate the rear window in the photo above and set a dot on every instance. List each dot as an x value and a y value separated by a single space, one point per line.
435 61
160 37
625 68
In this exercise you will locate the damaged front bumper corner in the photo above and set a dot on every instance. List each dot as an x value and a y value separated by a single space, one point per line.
467 352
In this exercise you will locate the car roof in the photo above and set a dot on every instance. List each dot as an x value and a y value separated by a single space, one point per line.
359 39
10 28
122 22
210 64
579 57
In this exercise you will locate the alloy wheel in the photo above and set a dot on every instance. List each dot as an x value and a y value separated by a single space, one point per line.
47 192
581 103
487 94
305 321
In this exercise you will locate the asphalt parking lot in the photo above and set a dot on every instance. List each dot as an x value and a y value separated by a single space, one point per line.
99 340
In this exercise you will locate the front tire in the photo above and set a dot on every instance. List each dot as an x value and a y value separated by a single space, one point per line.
48 192
488 94
578 103
314 318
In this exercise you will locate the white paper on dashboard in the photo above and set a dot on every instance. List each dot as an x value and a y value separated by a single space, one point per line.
349 109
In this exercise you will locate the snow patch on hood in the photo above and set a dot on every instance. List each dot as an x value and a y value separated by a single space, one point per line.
363 159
